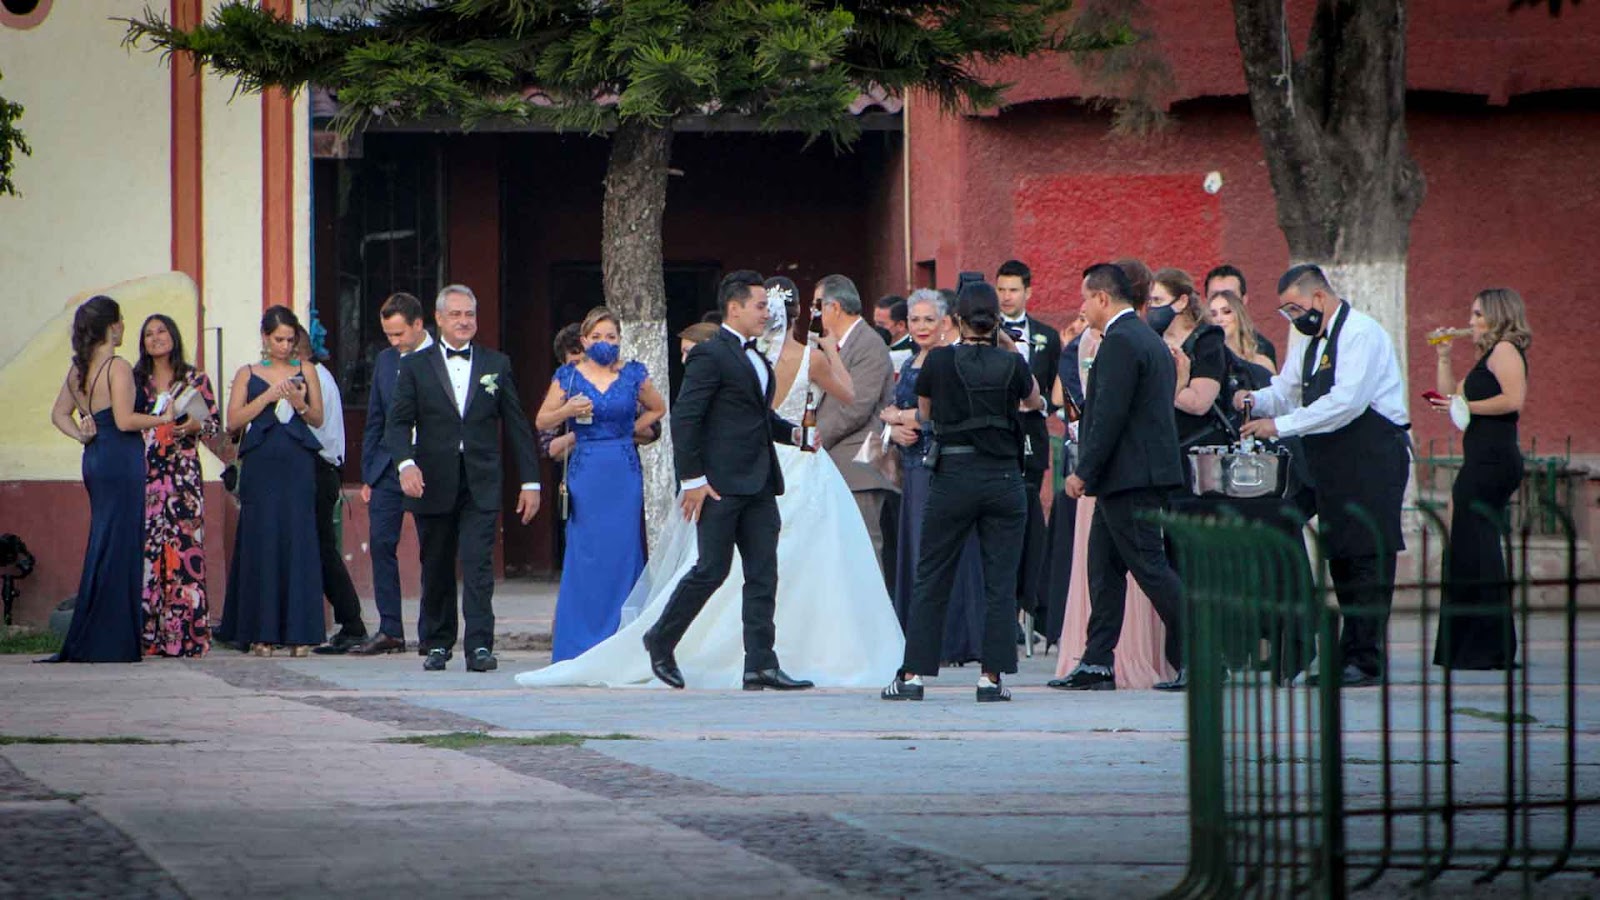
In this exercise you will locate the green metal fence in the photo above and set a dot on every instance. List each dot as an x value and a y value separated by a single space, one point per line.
1434 782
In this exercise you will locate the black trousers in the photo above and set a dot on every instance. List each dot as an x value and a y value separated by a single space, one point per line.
749 522
1121 541
1365 588
1033 571
961 499
468 532
336 583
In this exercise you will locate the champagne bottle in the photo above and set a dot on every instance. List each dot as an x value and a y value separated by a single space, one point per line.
808 423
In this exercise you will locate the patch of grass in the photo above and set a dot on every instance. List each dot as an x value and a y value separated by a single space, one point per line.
467 740
1502 718
42 643
8 739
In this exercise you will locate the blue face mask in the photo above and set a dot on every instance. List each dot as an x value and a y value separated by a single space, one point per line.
603 353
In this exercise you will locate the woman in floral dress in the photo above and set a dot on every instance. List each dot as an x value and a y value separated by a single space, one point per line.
176 615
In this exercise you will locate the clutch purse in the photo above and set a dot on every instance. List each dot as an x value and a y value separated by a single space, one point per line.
563 497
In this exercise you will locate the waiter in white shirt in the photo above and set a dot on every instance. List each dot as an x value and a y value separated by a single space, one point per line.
1343 393
336 583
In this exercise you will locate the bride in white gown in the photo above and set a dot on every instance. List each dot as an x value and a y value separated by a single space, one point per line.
834 621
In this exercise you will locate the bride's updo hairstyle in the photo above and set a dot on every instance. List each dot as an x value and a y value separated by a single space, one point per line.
978 308
90 323
798 314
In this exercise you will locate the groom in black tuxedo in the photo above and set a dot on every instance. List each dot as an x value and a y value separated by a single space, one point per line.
449 403
723 427
1128 461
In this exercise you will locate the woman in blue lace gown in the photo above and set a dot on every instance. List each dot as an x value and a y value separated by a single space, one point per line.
275 583
605 403
95 408
928 320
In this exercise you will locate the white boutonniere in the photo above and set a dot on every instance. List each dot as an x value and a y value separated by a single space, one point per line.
763 344
1038 342
490 382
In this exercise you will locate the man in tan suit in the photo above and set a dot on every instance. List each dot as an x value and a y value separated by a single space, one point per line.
842 429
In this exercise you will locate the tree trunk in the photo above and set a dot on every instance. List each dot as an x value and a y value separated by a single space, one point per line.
1333 130
630 265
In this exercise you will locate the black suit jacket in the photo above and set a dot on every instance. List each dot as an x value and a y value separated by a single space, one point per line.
723 425
424 401
1044 361
1128 438
1069 373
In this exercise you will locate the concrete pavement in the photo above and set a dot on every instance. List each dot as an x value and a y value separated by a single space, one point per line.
283 778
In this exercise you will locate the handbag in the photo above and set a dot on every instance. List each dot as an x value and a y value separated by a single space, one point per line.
563 496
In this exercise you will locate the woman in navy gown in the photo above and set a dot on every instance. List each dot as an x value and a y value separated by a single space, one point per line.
275 583
928 319
605 402
95 407
1477 629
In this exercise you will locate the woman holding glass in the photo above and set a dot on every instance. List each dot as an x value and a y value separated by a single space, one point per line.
1476 629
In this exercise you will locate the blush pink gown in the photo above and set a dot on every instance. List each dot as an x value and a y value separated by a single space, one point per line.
1140 660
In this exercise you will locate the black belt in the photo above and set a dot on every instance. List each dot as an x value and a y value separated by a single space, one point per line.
957 451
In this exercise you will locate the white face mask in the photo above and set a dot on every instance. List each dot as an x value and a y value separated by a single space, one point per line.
1459 415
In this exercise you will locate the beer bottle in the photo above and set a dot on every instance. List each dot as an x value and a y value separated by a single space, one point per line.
1069 410
808 423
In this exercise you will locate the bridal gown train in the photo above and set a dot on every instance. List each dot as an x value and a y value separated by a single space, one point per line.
835 624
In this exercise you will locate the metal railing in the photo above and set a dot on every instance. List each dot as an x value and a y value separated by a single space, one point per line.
1434 781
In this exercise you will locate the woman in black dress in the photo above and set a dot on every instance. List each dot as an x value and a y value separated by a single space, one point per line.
95 408
1476 630
275 582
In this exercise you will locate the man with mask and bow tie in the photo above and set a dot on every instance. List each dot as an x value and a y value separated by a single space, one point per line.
1343 392
1040 346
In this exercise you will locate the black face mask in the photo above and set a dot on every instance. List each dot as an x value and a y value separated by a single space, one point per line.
1161 317
1307 323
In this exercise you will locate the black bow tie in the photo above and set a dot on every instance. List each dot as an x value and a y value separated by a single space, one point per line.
751 345
464 353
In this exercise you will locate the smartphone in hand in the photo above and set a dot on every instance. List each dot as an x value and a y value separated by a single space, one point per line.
1435 398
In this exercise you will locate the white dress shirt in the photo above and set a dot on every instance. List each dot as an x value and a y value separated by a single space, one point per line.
460 370
331 431
1366 374
427 341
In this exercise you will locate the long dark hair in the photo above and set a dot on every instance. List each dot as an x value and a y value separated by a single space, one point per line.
978 308
94 318
146 366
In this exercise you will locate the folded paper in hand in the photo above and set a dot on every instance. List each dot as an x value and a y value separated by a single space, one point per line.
188 402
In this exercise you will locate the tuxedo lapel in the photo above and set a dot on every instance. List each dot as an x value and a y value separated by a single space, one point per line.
479 366
436 362
742 360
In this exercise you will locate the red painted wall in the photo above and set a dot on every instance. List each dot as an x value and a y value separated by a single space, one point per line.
1510 190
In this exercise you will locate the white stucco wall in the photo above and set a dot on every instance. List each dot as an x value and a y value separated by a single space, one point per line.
96 209
95 204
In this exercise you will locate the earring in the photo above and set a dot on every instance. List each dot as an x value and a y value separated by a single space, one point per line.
266 358
294 360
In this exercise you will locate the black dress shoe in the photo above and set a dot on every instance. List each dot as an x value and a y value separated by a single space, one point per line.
340 643
1176 685
380 643
482 660
437 658
773 679
1092 678
662 665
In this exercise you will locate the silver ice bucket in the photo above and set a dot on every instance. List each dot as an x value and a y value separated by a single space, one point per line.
1239 472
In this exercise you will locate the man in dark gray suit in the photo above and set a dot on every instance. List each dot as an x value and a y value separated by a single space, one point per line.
842 429
1128 461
